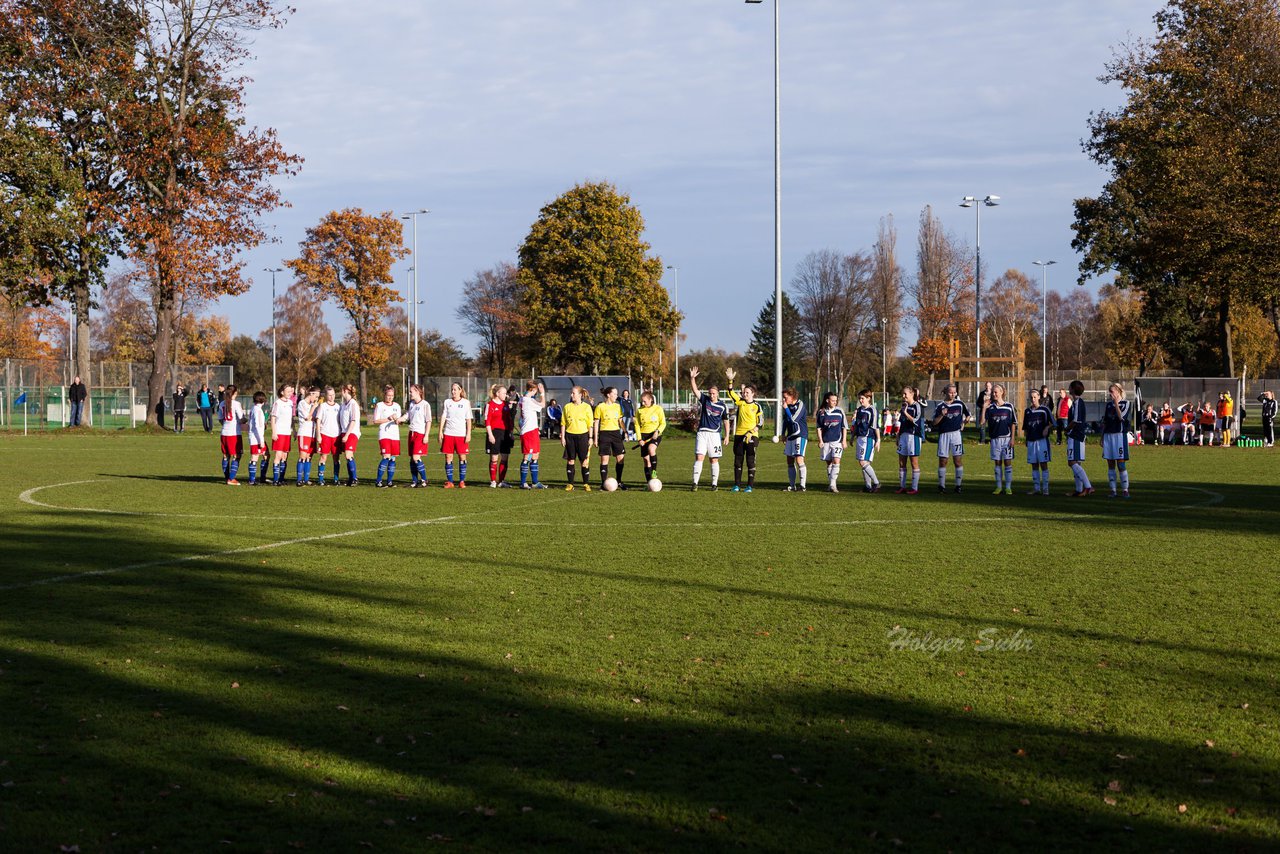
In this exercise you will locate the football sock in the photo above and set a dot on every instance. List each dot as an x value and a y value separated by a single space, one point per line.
697 471
737 473
791 473
831 475
648 471
306 470
999 474
533 471
617 470
1035 479
524 470
902 478
1111 479
253 471
298 471
715 472
321 470
502 471
942 476
604 473
493 471
1008 477
224 469
262 469
751 476
232 467
1044 481
382 469
568 472
586 475
915 478
462 471
871 472
391 469
1124 477
804 474
959 475
351 469
448 472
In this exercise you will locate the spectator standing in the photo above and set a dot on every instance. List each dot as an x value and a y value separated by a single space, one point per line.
628 415
204 405
1268 401
983 397
554 411
1063 413
77 393
179 408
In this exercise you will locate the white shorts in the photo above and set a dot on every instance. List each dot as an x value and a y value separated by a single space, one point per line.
1075 450
1115 446
950 444
1001 449
832 451
795 447
908 445
866 447
708 444
1038 451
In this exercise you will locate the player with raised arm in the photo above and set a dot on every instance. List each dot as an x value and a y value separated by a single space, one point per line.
281 433
833 433
531 405
910 437
948 419
258 440
606 434
866 431
231 416
327 432
419 418
650 422
748 416
1002 432
1076 428
795 433
1115 439
575 436
388 416
1037 423
349 432
455 434
712 431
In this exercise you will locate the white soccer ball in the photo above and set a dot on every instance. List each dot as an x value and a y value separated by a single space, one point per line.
777 439
611 484
655 485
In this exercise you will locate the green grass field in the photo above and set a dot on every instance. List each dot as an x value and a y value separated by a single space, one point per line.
186 666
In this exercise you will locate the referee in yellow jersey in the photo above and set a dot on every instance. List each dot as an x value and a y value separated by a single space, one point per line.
746 433
606 433
650 422
575 436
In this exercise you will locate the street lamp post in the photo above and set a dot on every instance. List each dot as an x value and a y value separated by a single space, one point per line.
884 361
1044 318
273 271
675 300
413 322
408 317
977 205
777 215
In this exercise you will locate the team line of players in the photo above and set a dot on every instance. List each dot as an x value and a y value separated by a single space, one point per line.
329 427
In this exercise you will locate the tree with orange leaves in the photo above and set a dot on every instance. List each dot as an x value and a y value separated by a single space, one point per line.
347 258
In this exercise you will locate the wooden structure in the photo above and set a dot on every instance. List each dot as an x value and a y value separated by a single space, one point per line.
1012 375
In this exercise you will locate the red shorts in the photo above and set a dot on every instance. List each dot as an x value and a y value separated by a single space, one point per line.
530 443
417 444
455 445
257 450
232 446
390 447
306 444
348 443
328 444
281 443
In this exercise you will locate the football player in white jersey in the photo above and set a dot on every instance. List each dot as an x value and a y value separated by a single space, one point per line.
349 431
258 440
419 418
231 416
455 434
327 432
388 416
306 433
530 442
281 432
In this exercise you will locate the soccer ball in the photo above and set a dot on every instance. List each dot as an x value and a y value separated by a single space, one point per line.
610 484
655 485
777 439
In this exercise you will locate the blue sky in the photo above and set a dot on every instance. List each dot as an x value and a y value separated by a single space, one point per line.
483 111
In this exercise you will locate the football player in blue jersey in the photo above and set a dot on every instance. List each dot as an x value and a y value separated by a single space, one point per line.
910 435
833 432
712 427
866 429
1002 432
1037 421
1076 426
948 419
1115 439
795 431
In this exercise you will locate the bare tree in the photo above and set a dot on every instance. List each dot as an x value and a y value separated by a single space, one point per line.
834 295
943 293
886 288
1009 312
490 310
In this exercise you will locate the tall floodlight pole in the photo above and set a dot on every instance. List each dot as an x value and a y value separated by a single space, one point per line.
777 215
884 360
977 205
413 320
1044 318
675 300
273 271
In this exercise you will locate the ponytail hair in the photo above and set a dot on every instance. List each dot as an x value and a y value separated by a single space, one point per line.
493 391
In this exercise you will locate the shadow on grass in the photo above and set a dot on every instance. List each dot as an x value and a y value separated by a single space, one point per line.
347 730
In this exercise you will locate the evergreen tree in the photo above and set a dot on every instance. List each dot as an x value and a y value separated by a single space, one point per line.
760 352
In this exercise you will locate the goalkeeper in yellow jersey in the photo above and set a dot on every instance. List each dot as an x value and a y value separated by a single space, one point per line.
746 432
649 424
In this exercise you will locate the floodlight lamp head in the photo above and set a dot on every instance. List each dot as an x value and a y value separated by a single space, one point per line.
754 2
966 204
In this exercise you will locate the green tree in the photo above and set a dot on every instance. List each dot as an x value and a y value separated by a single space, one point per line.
1190 216
592 295
760 352
252 362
